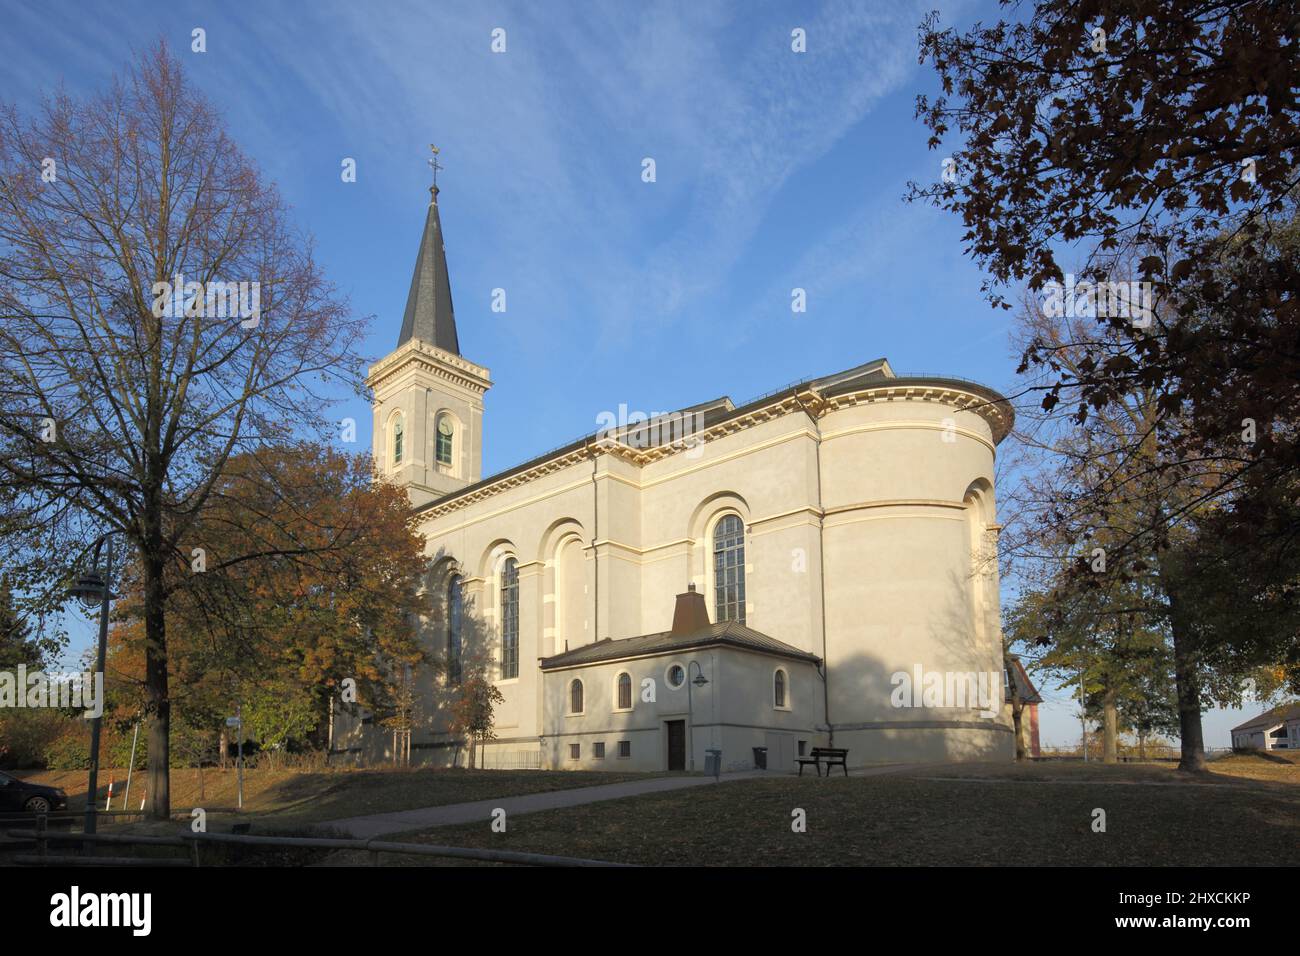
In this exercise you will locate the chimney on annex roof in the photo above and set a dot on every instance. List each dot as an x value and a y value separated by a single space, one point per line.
429 315
690 614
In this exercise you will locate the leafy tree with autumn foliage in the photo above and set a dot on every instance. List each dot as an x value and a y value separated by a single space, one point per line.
304 571
474 702
1169 132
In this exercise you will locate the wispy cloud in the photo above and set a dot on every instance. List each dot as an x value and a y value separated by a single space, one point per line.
549 136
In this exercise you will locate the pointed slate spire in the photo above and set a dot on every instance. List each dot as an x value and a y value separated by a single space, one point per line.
429 316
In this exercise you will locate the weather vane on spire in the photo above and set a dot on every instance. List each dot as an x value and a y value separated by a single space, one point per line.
434 165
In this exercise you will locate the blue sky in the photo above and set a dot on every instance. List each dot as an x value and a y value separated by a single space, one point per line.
775 170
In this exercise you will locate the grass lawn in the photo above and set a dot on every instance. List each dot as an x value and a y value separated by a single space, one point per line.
292 797
1246 812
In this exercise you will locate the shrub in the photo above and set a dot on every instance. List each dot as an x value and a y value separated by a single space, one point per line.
70 751
26 734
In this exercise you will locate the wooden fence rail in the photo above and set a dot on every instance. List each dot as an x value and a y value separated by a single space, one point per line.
193 841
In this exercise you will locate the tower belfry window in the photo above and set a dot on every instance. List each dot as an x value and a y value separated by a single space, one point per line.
397 441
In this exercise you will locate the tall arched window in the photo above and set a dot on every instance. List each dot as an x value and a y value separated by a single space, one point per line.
442 442
729 569
398 440
624 691
778 689
575 697
982 561
509 619
454 610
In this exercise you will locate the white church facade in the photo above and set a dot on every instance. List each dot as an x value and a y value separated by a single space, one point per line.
747 580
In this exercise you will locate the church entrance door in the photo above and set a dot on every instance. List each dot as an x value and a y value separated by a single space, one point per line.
676 744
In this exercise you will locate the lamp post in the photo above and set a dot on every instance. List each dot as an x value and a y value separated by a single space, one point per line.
89 589
700 681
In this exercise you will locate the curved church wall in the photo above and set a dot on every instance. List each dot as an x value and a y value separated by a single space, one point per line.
906 589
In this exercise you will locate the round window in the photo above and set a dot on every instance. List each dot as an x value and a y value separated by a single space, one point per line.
676 676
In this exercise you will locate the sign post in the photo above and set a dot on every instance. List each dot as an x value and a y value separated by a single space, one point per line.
238 723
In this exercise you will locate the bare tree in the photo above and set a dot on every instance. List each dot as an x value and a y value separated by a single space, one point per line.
158 315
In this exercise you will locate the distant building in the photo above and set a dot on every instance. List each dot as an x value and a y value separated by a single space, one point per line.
1017 680
1275 729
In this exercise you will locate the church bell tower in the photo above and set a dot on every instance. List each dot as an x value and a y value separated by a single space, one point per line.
427 398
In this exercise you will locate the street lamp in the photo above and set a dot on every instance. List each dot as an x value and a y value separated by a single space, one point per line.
700 681
93 588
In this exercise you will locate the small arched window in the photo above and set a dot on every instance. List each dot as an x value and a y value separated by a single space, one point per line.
509 619
778 689
575 697
454 609
729 569
398 439
625 691
442 442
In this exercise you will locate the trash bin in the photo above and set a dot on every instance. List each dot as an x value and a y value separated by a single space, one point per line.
713 762
760 758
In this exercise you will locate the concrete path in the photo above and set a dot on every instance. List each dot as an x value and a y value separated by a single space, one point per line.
481 810
378 824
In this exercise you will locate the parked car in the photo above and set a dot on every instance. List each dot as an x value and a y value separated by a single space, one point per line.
18 794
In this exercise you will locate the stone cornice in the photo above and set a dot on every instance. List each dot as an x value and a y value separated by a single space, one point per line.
810 401
997 414
429 358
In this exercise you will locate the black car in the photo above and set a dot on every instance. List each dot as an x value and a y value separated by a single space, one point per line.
18 794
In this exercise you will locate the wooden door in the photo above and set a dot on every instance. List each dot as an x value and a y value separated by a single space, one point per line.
676 745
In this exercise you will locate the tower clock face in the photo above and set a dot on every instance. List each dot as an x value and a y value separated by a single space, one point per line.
444 427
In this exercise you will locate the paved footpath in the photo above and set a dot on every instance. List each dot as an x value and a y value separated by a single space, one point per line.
378 824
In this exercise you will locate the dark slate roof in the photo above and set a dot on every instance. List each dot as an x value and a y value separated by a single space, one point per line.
1271 718
727 633
429 316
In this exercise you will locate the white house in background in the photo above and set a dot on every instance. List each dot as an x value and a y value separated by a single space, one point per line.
752 579
1275 729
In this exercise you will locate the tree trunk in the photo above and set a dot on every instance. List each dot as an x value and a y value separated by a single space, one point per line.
1017 714
1189 704
1110 722
224 744
1186 682
155 677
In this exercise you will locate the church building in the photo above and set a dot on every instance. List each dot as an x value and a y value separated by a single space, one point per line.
816 567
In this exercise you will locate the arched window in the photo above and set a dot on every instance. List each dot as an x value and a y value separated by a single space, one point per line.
442 442
454 609
625 691
509 619
729 569
778 689
398 440
575 697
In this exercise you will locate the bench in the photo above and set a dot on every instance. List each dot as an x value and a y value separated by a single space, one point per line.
831 756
